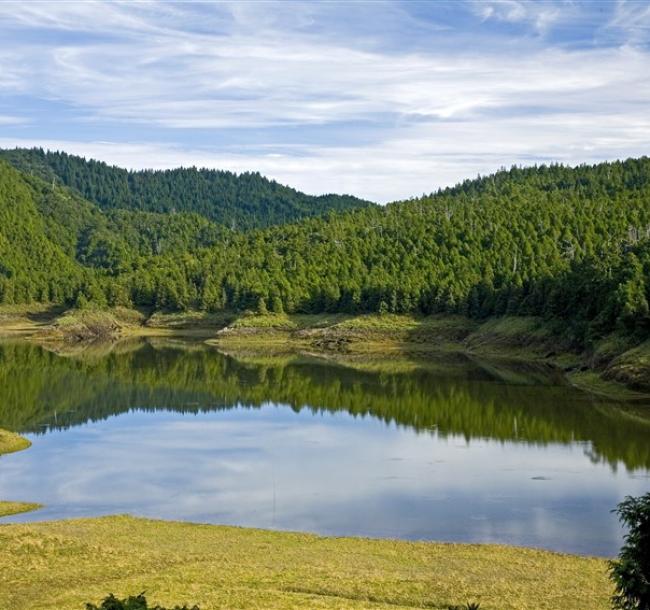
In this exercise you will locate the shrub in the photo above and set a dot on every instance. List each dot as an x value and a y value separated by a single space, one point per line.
138 602
631 571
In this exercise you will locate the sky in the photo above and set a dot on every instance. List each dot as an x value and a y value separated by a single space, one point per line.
384 100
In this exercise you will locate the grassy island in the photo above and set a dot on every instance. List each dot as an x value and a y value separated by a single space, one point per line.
10 443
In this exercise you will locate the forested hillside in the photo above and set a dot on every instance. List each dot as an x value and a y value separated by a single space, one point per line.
53 242
552 241
241 201
32 267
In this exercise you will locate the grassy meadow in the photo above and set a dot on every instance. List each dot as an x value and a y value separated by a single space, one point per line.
61 565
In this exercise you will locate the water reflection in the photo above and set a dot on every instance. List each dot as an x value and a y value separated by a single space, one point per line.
430 449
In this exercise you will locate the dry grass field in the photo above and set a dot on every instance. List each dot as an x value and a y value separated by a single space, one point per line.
61 565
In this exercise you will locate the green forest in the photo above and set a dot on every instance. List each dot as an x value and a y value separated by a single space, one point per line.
242 201
571 244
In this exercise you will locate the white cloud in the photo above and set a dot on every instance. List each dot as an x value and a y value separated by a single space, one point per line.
540 15
435 114
179 78
411 161
241 85
6 119
633 19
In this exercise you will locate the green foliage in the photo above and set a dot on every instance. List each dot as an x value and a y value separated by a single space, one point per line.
276 305
565 243
239 201
571 244
631 572
32 266
261 306
137 602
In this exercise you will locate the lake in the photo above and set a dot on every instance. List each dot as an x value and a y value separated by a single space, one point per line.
437 448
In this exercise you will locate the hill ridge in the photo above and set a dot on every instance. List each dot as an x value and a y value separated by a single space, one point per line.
571 244
242 201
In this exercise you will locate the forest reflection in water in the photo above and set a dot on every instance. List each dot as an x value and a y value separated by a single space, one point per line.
40 390
359 446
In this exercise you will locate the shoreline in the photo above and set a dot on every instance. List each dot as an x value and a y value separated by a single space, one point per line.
615 367
10 442
9 508
66 563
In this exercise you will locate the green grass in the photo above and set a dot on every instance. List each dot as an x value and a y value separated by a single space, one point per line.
361 322
522 330
11 442
27 319
345 333
13 508
591 381
25 309
526 339
88 323
407 322
518 339
283 321
189 320
632 368
61 565
611 346
129 316
265 321
639 355
436 333
381 322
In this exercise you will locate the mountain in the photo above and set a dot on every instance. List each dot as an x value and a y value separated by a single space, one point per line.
569 243
32 266
566 243
53 242
240 201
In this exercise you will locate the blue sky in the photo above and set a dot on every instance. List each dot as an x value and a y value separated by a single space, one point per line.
385 100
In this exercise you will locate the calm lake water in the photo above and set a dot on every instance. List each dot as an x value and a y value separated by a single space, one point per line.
442 449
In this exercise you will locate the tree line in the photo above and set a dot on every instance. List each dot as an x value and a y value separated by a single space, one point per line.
239 201
567 243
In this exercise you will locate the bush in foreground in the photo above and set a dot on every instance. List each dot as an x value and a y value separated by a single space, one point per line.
631 571
137 602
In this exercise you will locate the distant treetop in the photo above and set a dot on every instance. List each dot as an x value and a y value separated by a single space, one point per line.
239 201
